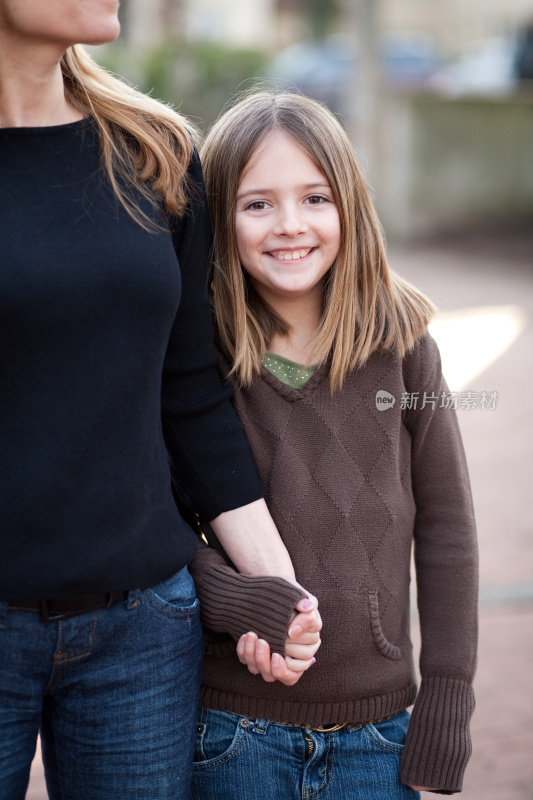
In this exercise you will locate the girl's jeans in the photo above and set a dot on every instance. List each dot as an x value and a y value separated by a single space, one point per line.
114 693
237 758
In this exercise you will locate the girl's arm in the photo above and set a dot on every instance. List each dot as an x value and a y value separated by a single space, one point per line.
239 604
438 745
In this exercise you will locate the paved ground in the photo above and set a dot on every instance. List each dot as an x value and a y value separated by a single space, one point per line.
494 274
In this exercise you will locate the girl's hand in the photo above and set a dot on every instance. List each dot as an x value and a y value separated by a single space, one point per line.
300 647
306 621
303 638
255 654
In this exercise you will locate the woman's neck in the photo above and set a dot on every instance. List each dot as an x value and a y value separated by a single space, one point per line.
32 92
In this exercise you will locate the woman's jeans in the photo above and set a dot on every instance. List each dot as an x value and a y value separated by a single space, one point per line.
114 693
237 758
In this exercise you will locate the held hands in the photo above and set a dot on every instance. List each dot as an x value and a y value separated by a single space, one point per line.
301 644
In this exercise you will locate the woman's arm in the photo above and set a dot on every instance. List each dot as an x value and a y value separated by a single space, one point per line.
250 538
211 463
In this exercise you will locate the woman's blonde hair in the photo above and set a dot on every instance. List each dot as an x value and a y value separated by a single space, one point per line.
365 306
145 144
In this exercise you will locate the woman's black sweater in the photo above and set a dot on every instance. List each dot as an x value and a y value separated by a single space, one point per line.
109 385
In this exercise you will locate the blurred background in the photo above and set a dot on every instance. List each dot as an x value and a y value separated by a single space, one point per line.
437 97
436 94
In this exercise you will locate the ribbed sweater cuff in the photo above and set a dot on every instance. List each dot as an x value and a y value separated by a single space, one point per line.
438 745
236 604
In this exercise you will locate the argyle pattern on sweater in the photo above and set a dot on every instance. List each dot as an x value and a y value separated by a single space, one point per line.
351 486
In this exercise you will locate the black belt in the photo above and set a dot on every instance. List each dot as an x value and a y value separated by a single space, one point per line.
65 607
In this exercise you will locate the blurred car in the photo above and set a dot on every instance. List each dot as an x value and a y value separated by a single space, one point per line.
489 67
319 69
409 59
326 69
524 53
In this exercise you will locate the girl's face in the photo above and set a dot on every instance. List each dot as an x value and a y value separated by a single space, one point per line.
287 223
59 22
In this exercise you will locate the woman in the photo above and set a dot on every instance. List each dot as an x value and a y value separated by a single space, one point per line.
110 393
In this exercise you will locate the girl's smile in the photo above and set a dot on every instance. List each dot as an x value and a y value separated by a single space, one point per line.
287 223
291 255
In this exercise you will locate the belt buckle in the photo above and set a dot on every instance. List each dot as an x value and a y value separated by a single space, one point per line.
331 728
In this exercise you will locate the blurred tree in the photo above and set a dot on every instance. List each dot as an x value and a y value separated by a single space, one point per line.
197 77
320 15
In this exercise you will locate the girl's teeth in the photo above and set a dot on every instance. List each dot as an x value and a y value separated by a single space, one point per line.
294 255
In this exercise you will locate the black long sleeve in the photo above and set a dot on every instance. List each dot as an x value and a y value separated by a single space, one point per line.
107 374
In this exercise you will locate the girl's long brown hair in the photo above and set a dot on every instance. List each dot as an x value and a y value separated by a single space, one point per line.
145 144
366 306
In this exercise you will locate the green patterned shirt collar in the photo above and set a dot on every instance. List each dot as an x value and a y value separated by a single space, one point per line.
288 372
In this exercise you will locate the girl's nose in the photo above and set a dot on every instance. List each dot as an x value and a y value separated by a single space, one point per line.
290 222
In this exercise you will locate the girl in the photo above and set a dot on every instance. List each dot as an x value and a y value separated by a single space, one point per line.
339 387
107 371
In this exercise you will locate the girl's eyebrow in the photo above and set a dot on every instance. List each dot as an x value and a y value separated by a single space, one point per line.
305 187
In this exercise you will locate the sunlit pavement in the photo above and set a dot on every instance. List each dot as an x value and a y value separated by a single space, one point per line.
483 287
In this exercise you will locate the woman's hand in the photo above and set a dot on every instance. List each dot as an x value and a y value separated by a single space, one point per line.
302 642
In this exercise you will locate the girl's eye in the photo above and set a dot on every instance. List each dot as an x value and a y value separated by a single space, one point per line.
316 199
257 205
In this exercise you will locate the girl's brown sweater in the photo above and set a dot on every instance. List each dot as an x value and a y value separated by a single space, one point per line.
352 481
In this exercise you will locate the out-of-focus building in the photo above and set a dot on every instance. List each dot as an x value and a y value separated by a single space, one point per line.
455 23
272 24
145 24
235 22
452 152
239 22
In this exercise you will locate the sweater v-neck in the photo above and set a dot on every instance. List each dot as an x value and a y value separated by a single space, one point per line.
287 392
